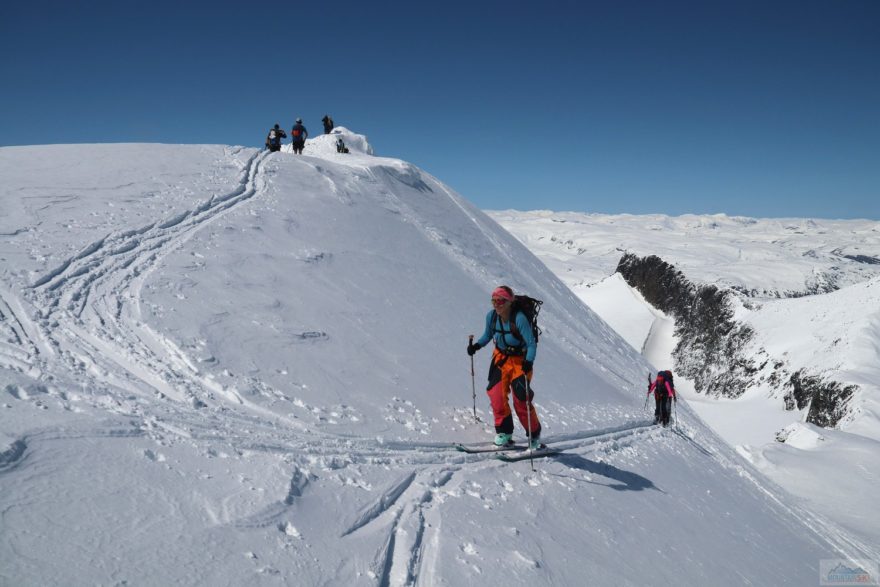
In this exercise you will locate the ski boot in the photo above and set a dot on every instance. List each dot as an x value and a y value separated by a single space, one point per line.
502 439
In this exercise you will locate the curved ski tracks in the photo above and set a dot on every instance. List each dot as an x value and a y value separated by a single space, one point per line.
406 509
20 342
91 302
410 522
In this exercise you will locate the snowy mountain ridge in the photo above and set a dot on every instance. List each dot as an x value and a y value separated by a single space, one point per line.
223 366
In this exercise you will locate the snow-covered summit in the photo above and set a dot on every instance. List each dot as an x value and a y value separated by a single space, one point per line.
324 145
224 366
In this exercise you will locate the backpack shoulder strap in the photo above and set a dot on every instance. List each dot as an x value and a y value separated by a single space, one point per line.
514 329
498 325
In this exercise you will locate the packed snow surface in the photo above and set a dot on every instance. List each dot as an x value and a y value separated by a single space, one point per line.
220 366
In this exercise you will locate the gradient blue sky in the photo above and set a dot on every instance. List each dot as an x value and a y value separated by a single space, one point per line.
758 108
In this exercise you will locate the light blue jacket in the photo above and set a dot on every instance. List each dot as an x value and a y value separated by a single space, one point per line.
504 337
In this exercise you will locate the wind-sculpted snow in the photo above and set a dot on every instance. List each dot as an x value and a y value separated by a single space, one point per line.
12 454
227 367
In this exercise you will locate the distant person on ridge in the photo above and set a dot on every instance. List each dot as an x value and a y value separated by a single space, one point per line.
328 124
273 139
664 395
512 359
298 134
340 146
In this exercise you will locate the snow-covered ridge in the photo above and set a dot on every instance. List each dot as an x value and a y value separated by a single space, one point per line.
262 355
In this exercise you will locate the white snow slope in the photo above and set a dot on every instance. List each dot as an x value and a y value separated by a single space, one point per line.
834 334
220 366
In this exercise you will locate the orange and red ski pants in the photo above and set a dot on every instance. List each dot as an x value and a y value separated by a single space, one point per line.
506 375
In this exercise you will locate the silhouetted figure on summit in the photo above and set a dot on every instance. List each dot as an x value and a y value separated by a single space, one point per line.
328 124
299 135
273 139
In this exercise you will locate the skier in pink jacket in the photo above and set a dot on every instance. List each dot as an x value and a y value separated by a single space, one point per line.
664 395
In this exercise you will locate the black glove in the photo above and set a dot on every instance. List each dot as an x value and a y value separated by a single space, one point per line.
474 347
527 366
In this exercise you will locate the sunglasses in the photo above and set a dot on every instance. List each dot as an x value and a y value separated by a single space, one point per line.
499 301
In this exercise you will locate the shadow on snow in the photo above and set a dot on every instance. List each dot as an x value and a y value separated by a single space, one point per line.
625 480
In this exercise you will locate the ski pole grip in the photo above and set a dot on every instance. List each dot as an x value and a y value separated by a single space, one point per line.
471 338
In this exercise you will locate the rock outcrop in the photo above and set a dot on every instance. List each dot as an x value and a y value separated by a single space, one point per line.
713 347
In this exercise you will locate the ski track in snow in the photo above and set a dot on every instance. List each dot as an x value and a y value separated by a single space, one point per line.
19 341
412 524
90 308
403 513
88 314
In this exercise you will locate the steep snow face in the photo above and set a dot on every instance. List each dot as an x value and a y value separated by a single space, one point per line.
262 357
759 257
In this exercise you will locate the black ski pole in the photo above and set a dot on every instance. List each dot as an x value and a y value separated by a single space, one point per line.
649 391
473 385
529 419
674 410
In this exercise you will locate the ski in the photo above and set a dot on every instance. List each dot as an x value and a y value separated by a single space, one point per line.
478 448
544 451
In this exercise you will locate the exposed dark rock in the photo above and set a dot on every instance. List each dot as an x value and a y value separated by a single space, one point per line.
827 400
863 259
709 338
710 351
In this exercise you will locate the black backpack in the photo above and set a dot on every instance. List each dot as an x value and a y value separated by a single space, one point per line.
528 306
667 376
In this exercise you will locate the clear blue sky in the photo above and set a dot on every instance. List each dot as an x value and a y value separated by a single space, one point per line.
759 108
